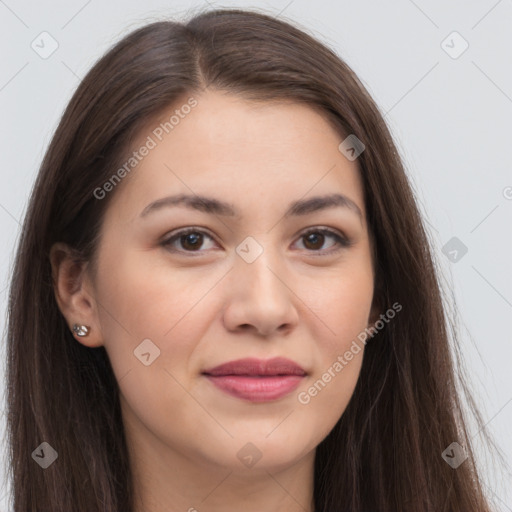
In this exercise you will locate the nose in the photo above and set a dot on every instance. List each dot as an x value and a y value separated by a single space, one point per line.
260 298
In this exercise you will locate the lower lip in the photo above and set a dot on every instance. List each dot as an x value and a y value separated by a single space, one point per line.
256 389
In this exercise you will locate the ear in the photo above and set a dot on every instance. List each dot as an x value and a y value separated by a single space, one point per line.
74 293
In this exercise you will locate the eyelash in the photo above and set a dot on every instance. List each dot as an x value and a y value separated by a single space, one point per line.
342 241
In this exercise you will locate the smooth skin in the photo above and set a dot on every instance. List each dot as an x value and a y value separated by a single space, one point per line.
304 297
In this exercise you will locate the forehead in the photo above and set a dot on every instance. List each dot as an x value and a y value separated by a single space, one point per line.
240 150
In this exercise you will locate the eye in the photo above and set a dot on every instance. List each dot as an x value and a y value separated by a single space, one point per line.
314 240
190 240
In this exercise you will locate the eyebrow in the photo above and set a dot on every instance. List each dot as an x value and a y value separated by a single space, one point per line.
217 207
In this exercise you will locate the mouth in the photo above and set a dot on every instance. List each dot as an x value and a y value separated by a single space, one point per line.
257 380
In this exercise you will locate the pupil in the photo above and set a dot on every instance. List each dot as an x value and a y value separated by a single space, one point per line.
191 239
314 238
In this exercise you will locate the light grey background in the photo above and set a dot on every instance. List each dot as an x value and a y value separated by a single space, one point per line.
450 118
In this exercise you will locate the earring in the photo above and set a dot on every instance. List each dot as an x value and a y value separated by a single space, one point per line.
80 330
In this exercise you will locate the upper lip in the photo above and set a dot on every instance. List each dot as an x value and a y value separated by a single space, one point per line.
253 366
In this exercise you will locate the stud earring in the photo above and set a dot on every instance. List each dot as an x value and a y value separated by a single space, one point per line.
80 330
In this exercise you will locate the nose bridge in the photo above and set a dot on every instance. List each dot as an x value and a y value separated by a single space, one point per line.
258 295
257 264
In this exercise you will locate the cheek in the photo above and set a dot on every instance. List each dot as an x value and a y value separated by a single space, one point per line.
151 309
328 391
323 400
342 302
141 298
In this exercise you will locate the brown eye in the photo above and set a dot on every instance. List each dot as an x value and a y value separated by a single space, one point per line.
315 239
191 241
188 240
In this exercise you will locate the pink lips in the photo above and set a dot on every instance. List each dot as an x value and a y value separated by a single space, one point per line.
257 380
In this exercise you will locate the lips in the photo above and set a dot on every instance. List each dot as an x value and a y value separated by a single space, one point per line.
257 380
257 367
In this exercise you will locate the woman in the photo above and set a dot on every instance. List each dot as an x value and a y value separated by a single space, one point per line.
224 296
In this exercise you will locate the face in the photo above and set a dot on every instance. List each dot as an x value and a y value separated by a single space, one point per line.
257 270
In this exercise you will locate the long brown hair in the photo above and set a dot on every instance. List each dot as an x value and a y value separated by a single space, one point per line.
384 454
